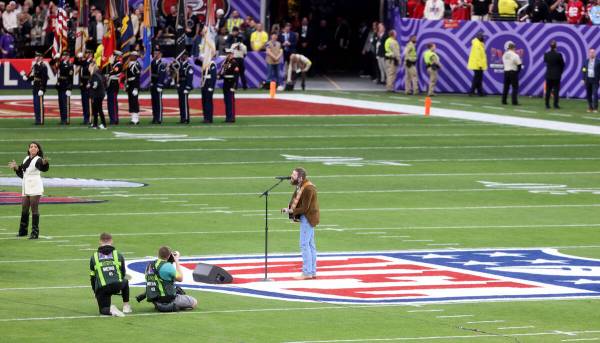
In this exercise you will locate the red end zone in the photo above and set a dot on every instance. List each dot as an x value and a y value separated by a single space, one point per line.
244 107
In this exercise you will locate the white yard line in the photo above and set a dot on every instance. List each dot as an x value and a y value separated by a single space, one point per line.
448 338
516 327
373 209
580 339
456 316
436 310
560 115
460 104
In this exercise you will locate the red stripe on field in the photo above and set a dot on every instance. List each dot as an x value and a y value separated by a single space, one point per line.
244 107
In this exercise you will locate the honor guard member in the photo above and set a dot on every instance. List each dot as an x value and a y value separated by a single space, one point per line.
158 76
185 80
97 92
113 72
64 84
209 81
229 73
83 61
39 79
134 69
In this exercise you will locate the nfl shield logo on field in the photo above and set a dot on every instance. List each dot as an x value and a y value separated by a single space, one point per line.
404 276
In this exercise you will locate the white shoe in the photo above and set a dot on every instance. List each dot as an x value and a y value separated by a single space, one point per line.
114 311
127 308
280 88
101 127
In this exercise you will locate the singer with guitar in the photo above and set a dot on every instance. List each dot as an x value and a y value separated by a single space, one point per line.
304 208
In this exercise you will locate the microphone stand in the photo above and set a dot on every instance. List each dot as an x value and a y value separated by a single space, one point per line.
266 195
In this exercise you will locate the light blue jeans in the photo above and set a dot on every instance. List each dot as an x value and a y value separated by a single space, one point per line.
308 248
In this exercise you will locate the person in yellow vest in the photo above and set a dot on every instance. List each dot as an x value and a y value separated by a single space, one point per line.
258 38
432 62
411 80
234 21
507 8
392 59
477 63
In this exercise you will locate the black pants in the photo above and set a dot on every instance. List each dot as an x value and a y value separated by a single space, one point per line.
511 80
591 93
229 99
552 88
242 74
477 84
157 110
134 104
97 111
103 295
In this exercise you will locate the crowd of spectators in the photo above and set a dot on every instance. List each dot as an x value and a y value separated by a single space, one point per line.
535 11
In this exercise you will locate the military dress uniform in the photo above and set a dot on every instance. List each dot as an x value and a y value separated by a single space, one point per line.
229 73
158 75
184 87
84 79
134 70
113 72
64 84
39 79
209 81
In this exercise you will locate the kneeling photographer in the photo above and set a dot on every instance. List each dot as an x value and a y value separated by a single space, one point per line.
160 283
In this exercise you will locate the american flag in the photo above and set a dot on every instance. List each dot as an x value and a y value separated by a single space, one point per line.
60 29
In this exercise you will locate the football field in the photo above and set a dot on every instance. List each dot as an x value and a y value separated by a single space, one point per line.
432 230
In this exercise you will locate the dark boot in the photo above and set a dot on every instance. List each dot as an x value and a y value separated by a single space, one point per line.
35 226
24 224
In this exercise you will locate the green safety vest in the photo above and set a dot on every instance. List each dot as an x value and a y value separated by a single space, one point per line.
388 47
107 270
411 52
428 55
158 289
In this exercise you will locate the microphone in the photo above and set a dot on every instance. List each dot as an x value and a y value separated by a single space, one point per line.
283 177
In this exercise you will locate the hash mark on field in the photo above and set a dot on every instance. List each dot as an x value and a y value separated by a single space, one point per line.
456 316
73 245
399 97
411 311
593 118
88 249
443 244
493 107
516 327
394 236
154 198
487 321
579 339
559 114
60 241
459 104
418 240
525 111
172 201
193 205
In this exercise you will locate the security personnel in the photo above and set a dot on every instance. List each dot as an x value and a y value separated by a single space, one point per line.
113 72
392 60
64 84
185 80
107 276
83 61
432 61
209 81
158 76
132 82
39 79
229 73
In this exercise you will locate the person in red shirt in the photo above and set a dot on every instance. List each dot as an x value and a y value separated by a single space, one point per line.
415 9
461 9
575 11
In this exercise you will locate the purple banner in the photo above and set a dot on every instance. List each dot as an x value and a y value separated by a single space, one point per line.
531 40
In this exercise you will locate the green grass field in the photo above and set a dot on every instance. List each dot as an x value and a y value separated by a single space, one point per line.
436 198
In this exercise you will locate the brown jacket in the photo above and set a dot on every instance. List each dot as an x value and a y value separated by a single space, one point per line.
308 205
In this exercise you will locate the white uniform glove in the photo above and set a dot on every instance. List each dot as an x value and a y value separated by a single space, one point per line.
23 75
159 90
80 55
186 91
134 92
68 93
298 71
40 92
210 89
